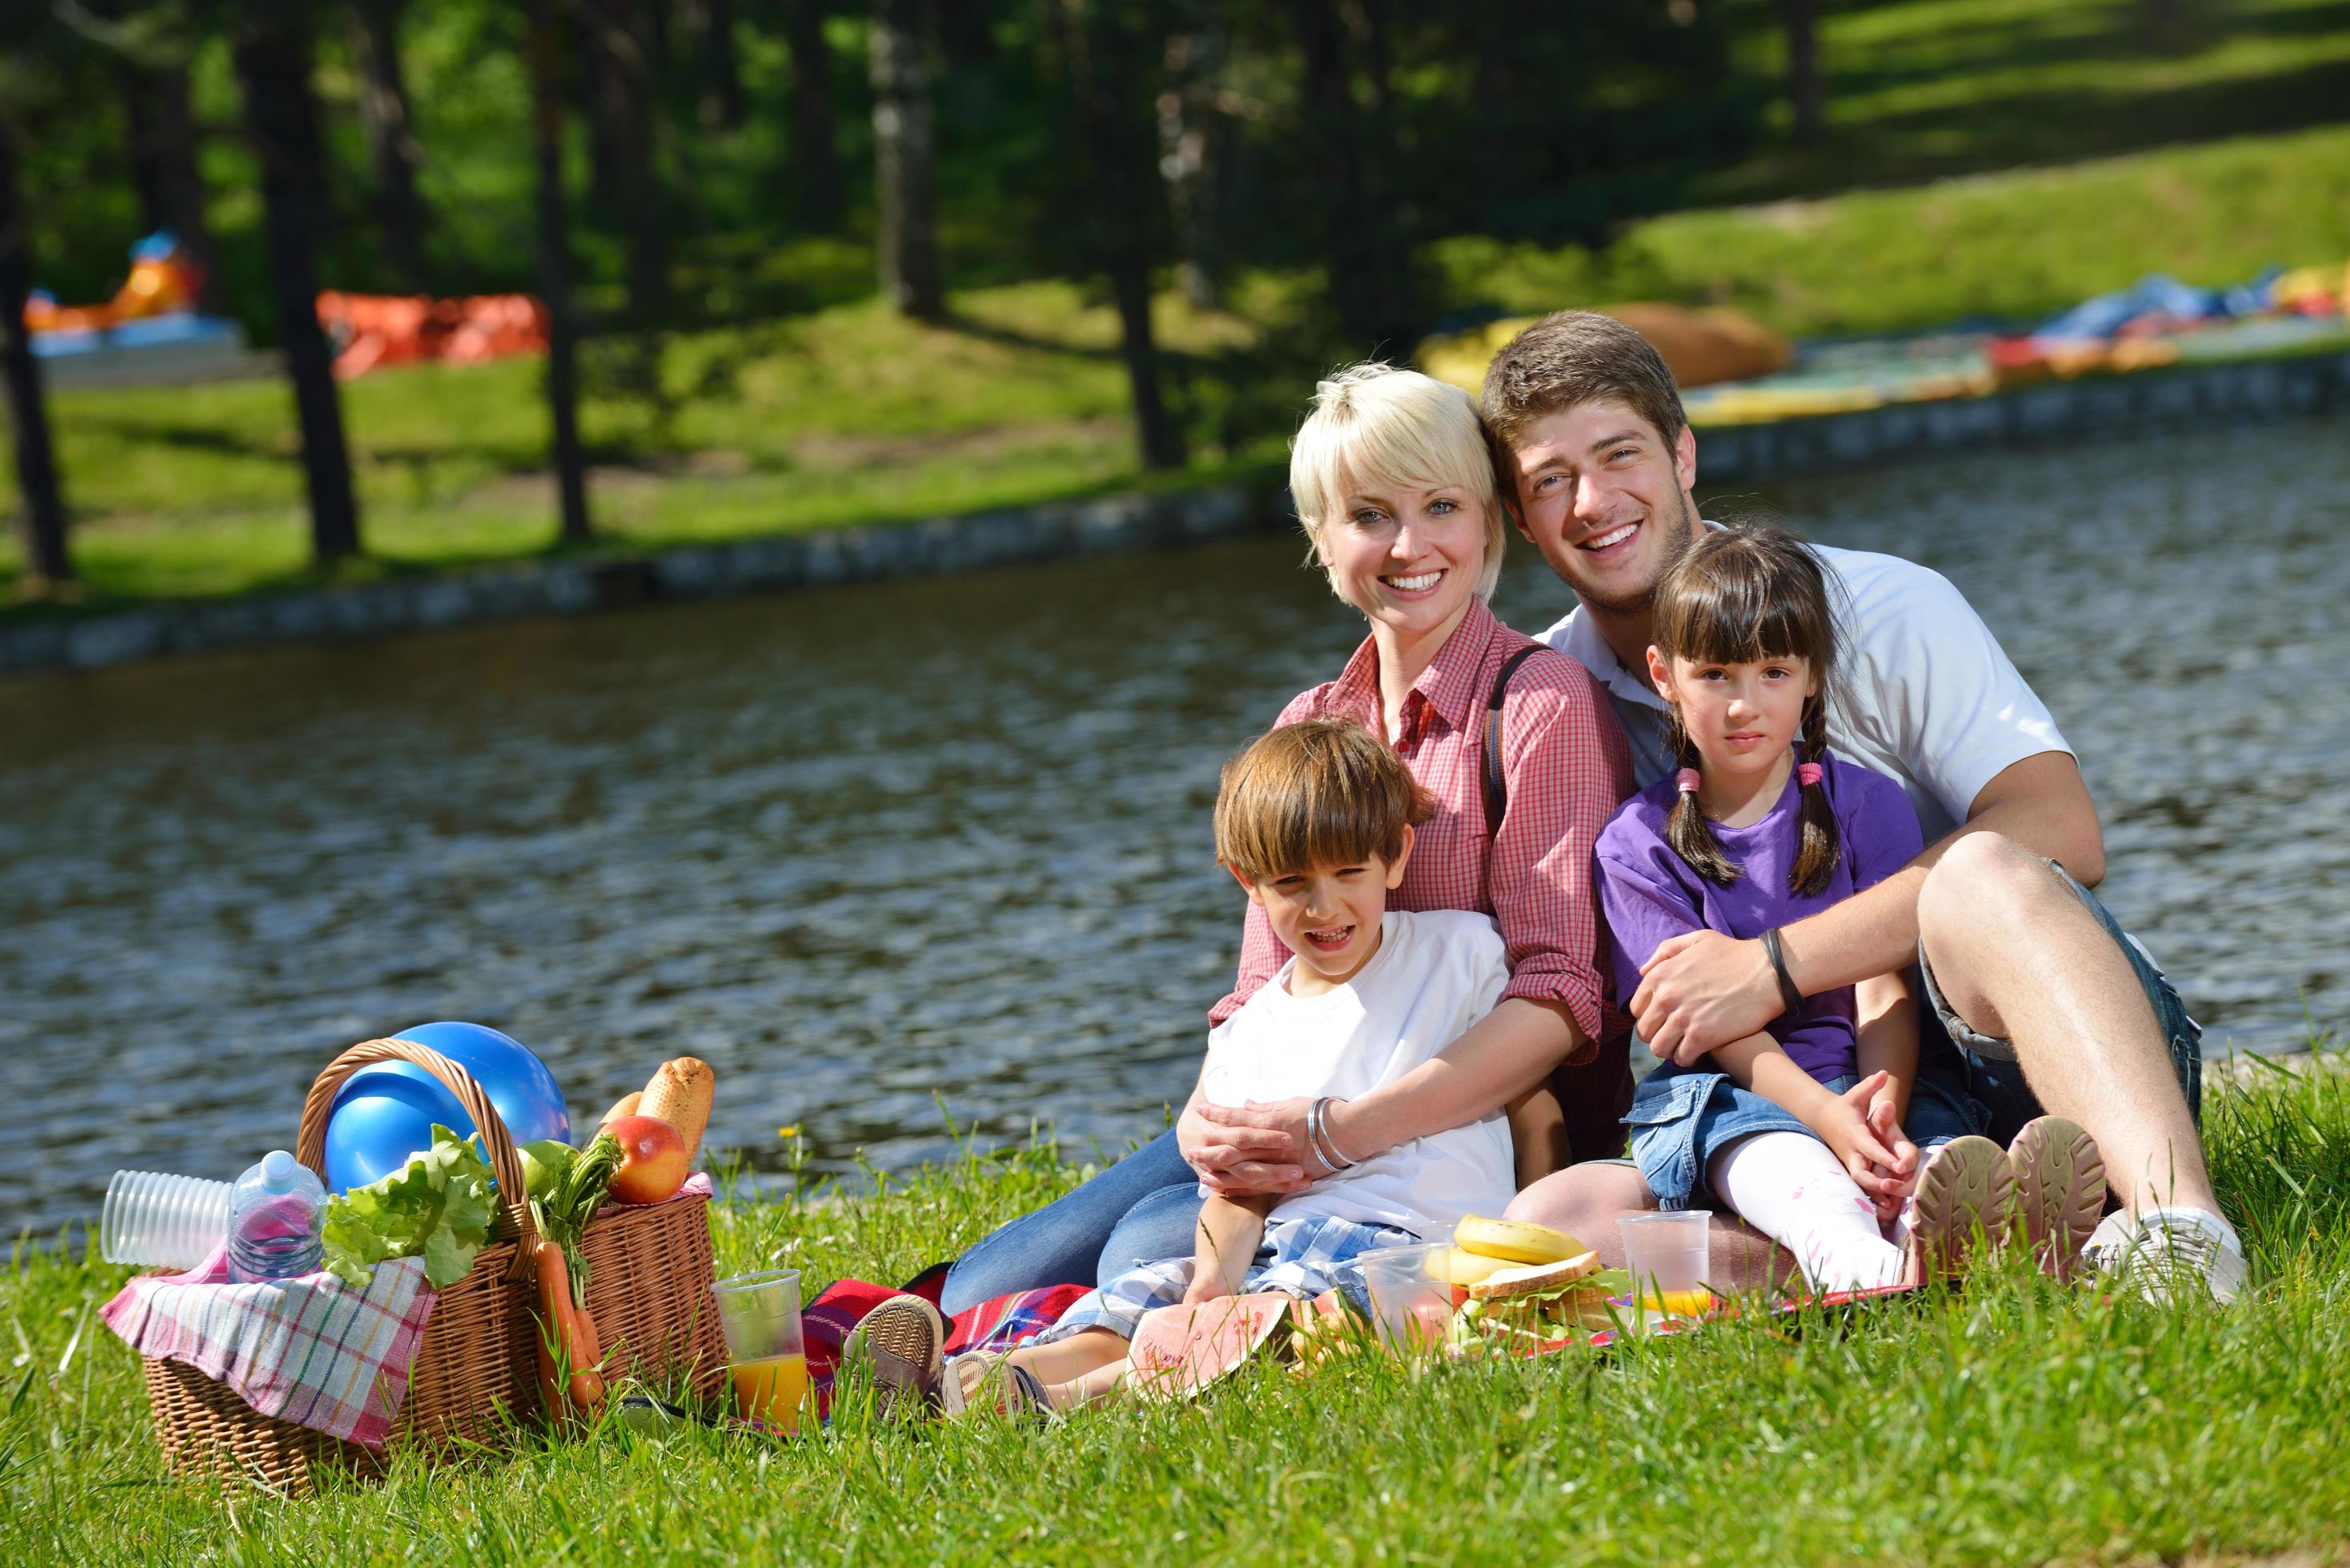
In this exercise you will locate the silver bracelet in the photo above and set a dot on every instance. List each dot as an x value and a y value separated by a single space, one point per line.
1317 1129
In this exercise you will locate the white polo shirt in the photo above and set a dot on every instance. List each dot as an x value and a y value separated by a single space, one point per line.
1927 696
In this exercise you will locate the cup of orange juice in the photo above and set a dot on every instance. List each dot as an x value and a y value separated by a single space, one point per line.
761 1315
1666 1256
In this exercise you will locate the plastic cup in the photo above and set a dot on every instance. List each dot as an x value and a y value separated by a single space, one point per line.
155 1219
761 1316
1666 1256
1410 1291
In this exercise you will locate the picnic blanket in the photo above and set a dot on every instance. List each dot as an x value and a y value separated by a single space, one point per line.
309 1350
827 1322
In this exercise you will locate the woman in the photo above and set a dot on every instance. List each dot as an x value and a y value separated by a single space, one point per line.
1394 482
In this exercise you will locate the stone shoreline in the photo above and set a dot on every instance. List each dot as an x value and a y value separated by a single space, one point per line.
2087 410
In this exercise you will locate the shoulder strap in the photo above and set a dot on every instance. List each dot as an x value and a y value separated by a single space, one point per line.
1497 789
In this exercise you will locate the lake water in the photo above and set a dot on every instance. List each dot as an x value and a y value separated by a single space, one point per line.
875 849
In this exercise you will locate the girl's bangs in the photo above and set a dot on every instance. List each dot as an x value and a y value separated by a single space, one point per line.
1732 606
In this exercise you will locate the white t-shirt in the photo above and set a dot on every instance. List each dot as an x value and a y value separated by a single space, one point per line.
1435 974
1928 697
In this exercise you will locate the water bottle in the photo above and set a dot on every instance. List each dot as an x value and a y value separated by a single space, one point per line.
154 1219
273 1220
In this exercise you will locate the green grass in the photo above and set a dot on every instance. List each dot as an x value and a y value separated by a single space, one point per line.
2015 1423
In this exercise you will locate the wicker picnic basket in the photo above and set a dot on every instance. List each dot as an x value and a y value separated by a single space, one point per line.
476 1368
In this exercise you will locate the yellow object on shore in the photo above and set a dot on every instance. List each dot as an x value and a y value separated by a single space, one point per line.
1700 346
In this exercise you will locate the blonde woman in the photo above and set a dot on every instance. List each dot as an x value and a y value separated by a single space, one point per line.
1393 480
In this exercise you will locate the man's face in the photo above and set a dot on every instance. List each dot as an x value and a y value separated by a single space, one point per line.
1605 499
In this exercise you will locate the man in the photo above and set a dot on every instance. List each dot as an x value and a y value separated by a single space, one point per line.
2048 1006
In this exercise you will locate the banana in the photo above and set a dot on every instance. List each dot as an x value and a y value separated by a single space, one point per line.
1513 1241
1463 1267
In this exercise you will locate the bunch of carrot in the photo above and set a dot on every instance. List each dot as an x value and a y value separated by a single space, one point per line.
569 1353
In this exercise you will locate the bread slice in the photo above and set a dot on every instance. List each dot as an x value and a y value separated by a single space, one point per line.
1534 1279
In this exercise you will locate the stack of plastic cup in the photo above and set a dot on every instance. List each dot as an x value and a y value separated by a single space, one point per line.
157 1221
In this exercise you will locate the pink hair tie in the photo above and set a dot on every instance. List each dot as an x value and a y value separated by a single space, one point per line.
1808 774
1687 780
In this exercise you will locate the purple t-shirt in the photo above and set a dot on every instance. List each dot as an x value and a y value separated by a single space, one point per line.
1649 893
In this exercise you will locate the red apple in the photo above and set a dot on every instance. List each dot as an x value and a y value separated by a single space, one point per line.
652 1158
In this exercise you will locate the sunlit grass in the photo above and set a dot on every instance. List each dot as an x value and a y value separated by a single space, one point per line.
2012 1423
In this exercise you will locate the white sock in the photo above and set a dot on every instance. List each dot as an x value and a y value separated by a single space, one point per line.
1793 1189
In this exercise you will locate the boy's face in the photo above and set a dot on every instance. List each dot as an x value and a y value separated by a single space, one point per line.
1329 915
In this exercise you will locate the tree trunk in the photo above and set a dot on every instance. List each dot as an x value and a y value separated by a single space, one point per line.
374 28
904 153
711 25
273 65
1804 95
1118 164
622 114
40 505
1192 148
1364 253
821 200
163 167
555 273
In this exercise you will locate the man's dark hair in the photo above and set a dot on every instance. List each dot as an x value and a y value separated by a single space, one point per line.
1571 357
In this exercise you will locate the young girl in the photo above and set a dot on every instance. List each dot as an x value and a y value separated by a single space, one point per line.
1798 1128
1316 820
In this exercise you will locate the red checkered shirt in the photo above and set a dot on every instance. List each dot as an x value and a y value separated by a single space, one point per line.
1567 766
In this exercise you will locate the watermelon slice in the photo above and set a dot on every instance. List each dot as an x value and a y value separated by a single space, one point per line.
1179 1350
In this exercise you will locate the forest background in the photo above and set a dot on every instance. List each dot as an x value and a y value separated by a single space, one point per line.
812 263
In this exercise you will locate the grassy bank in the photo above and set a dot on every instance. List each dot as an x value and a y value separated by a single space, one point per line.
851 415
2013 1424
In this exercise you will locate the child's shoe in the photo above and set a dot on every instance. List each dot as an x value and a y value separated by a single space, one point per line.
1965 1196
2060 1191
901 1340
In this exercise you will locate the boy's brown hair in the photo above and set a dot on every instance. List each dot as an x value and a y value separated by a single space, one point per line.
1568 358
1321 791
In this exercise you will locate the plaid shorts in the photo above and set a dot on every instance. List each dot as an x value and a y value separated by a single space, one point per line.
1299 1257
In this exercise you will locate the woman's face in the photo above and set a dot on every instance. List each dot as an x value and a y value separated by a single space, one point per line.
1406 558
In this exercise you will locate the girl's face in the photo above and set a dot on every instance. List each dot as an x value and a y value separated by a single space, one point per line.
1407 558
1743 718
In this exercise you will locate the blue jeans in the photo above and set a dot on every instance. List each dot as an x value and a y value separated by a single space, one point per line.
1143 1208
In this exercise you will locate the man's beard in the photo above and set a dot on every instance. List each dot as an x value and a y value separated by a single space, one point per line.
1642 597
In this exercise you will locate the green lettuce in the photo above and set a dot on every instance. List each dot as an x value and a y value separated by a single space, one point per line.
438 1207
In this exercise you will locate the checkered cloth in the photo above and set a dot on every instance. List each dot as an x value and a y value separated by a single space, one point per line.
1299 1257
310 1350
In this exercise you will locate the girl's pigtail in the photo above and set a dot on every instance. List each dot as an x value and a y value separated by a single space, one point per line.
1815 859
1687 831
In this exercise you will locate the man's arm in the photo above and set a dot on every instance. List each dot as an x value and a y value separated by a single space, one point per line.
1227 1236
1705 990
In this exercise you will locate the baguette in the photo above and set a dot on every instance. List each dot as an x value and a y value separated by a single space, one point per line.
679 1094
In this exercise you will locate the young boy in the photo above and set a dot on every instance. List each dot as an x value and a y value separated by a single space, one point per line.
1314 820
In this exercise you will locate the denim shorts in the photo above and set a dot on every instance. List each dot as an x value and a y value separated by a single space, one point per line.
1682 1116
1983 1068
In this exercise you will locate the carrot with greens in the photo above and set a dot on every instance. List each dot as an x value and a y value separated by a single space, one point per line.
569 1352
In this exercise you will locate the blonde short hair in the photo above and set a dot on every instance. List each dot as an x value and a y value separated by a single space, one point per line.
1376 426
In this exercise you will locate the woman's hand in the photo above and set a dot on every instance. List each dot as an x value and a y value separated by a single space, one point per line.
1843 1123
1240 1150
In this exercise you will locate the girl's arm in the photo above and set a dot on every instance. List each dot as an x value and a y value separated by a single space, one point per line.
1229 1232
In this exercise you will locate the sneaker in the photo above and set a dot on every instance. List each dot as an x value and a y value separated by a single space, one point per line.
1965 1194
2162 1250
987 1383
2060 1191
902 1339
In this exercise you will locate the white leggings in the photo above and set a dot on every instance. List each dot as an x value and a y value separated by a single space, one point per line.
1793 1188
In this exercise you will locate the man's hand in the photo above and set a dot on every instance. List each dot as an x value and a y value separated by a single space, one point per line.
1843 1123
1240 1150
1702 989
